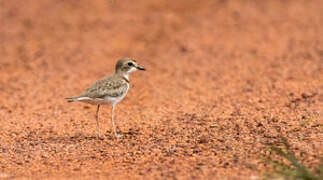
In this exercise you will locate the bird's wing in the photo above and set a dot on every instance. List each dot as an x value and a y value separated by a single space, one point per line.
107 86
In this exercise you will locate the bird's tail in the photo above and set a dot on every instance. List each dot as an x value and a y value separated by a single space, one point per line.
72 99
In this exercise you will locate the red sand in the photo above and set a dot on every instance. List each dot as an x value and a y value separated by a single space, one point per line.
225 80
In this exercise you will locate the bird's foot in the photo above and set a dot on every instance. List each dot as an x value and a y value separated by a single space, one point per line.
118 135
99 136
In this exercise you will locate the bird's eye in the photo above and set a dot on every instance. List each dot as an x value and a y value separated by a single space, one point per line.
130 64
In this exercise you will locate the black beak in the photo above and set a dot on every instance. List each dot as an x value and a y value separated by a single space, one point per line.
141 68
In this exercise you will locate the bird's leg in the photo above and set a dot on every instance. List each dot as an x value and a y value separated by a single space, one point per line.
97 121
114 126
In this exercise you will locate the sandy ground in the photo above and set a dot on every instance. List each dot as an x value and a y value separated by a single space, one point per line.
225 80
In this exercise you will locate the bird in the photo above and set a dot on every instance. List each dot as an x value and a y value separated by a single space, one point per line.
109 90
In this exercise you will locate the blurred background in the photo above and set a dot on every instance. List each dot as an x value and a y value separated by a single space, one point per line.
225 79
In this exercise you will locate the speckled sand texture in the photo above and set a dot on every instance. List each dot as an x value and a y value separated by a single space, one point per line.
224 80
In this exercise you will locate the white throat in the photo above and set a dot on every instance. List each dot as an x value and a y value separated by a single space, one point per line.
126 75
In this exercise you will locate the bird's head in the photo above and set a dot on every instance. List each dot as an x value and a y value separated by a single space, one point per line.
127 65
